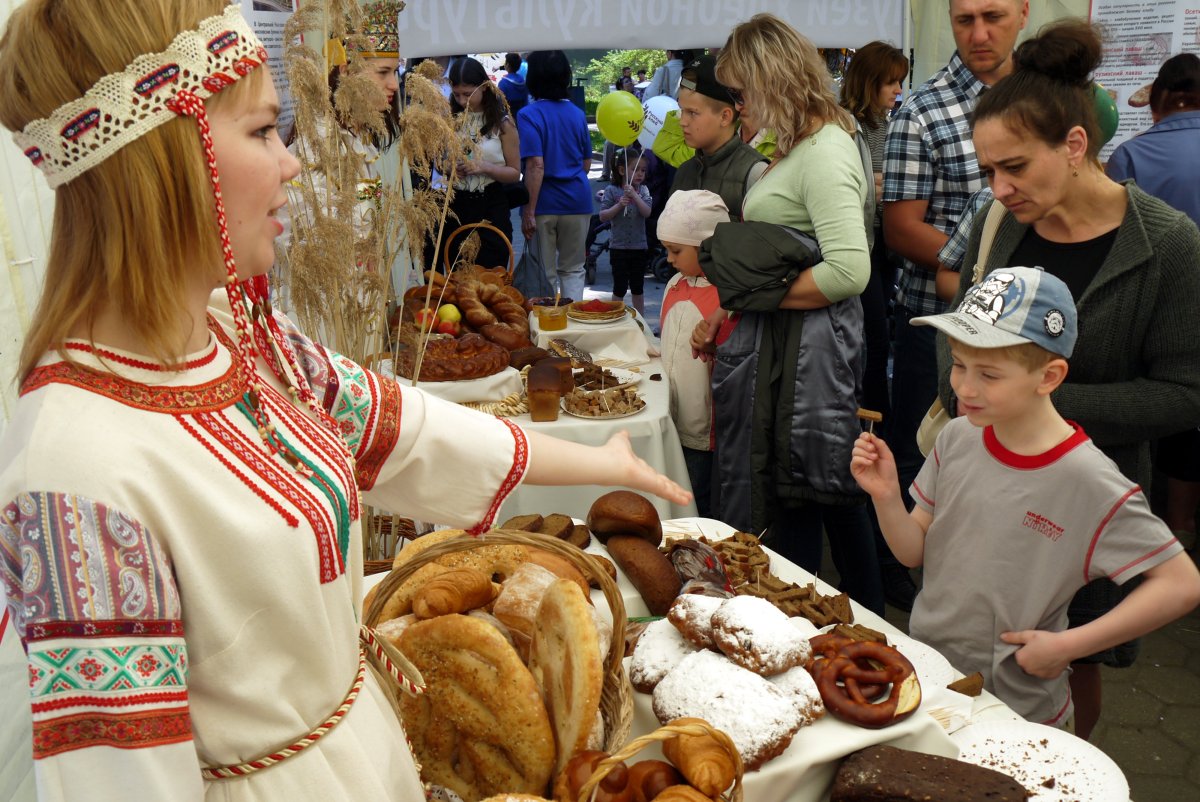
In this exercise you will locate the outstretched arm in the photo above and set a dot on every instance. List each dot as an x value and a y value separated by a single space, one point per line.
561 462
874 468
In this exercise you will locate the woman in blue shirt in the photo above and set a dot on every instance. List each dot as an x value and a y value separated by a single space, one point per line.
556 152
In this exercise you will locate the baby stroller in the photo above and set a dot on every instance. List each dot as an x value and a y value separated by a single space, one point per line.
594 246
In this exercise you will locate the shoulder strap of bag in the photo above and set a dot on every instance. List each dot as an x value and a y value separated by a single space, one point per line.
991 225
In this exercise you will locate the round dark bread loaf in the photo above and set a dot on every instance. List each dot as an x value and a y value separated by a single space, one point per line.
623 512
648 569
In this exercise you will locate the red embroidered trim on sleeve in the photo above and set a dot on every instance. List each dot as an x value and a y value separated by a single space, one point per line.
51 630
388 411
515 474
123 731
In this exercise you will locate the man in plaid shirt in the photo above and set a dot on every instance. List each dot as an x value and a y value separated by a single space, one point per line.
929 173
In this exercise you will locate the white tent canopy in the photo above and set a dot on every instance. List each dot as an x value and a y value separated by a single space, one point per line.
445 27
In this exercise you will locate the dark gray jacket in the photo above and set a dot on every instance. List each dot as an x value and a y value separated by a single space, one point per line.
785 383
1135 373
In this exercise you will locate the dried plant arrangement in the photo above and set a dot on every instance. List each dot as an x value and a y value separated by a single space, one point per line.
348 224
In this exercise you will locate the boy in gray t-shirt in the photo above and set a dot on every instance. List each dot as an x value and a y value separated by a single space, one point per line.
1016 509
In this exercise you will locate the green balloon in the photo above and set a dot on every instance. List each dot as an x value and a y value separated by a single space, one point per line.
1106 112
619 117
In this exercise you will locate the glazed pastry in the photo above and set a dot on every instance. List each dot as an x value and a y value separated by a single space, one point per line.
452 358
455 591
649 778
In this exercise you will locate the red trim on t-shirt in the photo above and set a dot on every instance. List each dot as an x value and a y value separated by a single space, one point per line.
937 458
924 497
3 625
1053 722
1113 576
1032 462
1087 563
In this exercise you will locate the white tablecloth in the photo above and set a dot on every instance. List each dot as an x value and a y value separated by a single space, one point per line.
654 439
489 388
624 340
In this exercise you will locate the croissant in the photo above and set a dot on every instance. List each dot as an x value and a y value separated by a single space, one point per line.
701 759
649 778
681 793
455 591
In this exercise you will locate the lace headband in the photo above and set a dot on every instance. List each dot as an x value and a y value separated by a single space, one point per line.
121 107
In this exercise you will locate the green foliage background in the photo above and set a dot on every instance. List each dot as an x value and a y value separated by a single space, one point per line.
601 73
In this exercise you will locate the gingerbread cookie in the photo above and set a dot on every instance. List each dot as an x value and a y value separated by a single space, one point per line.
480 728
753 633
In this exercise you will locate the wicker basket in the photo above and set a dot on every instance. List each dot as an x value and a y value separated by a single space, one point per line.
733 794
616 699
464 229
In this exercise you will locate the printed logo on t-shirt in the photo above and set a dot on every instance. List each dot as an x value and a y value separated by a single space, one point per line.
1042 525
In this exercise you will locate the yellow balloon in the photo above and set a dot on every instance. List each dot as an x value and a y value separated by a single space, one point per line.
619 118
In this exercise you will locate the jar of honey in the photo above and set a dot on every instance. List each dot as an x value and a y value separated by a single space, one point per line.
551 318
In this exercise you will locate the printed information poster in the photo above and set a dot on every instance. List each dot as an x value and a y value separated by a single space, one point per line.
1139 36
267 18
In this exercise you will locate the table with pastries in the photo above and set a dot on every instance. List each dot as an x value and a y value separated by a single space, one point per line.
623 346
980 729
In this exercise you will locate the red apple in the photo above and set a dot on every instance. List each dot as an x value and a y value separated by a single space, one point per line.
450 327
426 318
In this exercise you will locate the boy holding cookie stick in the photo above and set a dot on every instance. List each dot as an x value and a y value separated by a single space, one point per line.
1016 508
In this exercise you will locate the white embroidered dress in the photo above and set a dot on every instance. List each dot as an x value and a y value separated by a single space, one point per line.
186 600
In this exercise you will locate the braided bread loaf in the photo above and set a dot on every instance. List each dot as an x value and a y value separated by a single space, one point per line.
491 312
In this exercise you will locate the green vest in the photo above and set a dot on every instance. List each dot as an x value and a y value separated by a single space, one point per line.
723 173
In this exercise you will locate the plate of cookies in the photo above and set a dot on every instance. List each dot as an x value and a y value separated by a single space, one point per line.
617 402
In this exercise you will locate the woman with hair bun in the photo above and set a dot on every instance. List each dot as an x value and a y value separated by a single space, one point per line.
1164 160
1129 260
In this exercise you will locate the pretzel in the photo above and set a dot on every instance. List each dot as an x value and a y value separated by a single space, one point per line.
850 700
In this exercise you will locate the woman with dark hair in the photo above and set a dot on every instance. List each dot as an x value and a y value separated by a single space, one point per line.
1128 258
556 152
490 137
1164 160
869 91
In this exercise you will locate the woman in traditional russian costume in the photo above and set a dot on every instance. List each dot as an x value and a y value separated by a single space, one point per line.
180 481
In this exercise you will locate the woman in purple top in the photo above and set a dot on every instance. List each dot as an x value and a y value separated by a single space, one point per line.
556 152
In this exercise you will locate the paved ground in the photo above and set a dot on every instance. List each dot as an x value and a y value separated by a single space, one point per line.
1150 723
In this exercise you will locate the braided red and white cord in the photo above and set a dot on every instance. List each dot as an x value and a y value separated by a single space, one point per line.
266 761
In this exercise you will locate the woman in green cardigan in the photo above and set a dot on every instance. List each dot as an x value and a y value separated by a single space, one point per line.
1129 259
